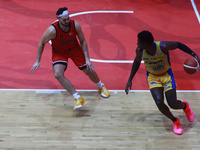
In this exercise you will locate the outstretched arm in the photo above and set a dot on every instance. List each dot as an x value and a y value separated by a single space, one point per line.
135 67
173 45
84 46
49 34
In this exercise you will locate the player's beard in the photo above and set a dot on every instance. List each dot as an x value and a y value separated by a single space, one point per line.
65 25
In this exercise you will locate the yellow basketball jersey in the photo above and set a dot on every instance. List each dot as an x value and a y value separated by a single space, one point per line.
158 63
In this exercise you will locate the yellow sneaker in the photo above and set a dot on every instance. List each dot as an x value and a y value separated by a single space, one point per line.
104 92
80 102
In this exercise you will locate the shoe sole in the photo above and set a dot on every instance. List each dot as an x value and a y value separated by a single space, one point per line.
104 96
178 133
85 104
80 106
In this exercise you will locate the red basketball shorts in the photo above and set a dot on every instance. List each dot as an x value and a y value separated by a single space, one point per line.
75 54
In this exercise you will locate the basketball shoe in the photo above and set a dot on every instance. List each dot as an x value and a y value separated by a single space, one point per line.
177 127
104 92
80 102
188 112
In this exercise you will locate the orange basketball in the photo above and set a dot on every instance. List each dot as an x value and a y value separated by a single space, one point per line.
191 66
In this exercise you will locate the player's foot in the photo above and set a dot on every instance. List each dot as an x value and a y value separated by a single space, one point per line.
188 112
80 102
177 127
104 92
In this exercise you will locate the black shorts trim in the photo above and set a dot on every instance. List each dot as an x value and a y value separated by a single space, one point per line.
82 67
60 62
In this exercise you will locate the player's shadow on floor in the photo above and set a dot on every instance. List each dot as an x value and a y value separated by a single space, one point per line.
83 112
155 120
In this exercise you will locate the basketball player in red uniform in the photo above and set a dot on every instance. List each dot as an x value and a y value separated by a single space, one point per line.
160 76
64 35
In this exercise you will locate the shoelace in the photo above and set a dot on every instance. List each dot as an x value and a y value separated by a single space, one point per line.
177 125
102 88
77 100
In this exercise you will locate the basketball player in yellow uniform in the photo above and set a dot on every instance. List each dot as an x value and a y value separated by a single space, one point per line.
160 76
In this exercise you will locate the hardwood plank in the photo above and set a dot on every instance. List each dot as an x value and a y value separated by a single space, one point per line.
48 121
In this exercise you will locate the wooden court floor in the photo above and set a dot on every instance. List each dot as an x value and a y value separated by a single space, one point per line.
31 121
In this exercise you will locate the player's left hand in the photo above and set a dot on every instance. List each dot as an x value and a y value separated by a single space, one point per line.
196 57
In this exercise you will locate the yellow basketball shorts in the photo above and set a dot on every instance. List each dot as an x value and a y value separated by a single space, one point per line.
166 80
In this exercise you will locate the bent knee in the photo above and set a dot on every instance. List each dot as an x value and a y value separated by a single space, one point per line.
159 102
58 75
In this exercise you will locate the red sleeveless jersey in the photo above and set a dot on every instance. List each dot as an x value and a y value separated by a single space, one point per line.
64 41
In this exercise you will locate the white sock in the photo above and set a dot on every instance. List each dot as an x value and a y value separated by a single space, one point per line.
99 84
76 95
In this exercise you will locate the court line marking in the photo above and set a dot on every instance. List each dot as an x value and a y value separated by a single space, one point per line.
113 61
103 11
54 91
195 10
99 11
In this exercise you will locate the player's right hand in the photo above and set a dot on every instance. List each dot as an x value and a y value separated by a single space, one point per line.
35 66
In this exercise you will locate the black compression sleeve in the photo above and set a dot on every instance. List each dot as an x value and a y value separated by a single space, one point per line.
186 49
